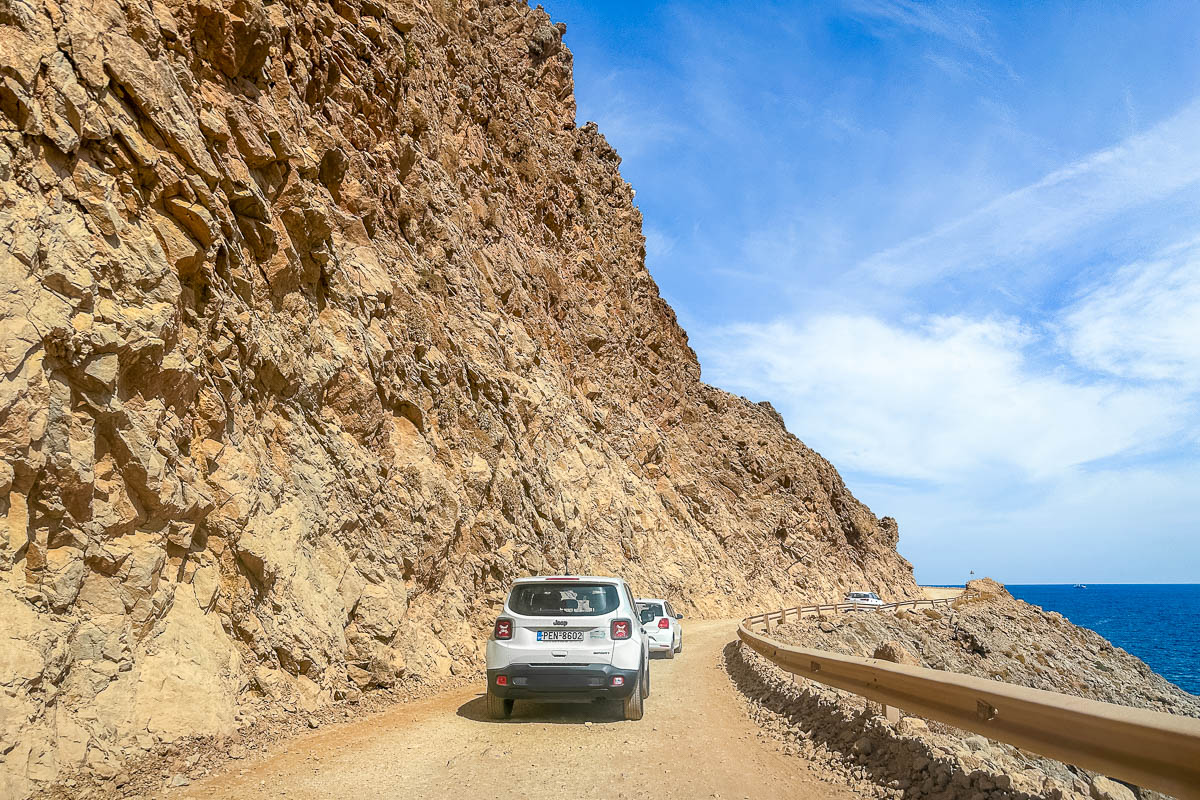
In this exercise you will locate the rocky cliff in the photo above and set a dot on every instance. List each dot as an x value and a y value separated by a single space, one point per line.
319 322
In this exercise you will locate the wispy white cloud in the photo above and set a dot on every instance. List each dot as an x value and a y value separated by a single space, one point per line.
960 24
1129 526
631 120
949 242
659 244
1080 422
942 399
1023 229
1143 323
953 67
1131 111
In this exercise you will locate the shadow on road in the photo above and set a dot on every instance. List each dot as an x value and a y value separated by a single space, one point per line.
525 711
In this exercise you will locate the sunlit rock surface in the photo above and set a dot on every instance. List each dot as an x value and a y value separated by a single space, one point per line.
320 322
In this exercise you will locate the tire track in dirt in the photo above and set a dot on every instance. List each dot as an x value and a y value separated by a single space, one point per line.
695 741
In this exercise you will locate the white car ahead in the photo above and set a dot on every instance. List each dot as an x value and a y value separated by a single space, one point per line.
568 639
864 599
661 625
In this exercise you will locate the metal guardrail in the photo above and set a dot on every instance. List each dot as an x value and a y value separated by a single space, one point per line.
1147 748
801 611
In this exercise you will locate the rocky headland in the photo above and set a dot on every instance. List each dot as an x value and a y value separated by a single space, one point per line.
995 636
319 322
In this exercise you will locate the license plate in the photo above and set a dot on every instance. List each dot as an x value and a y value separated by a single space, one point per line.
560 636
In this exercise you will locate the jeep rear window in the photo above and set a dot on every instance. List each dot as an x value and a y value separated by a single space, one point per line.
556 600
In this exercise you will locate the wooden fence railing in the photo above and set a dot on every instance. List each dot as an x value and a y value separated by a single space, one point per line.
1147 748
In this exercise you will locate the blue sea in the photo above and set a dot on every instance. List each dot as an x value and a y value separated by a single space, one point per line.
1158 623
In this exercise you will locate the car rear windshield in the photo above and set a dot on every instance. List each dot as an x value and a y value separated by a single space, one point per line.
654 608
557 600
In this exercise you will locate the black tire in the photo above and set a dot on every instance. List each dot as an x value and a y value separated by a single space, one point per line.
670 653
498 707
632 707
679 649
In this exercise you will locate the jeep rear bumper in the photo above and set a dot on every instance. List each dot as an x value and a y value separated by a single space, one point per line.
562 683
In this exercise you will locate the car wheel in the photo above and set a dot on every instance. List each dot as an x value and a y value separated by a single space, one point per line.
679 647
498 707
632 706
646 680
670 652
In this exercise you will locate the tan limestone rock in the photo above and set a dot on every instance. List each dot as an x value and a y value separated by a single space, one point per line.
896 653
1105 789
319 327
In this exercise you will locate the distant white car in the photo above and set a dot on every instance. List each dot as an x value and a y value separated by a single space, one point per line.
865 599
568 638
661 625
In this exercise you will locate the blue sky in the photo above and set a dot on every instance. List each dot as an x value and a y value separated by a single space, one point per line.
956 245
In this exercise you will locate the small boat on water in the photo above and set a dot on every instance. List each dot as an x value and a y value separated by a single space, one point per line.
1080 586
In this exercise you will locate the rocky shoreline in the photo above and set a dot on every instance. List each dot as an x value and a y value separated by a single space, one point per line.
995 637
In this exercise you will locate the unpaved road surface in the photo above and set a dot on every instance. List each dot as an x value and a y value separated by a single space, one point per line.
941 592
695 741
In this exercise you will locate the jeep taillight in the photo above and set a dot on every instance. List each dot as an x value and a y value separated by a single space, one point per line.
503 628
620 629
664 623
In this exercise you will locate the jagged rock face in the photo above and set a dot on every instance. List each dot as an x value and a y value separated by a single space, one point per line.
318 324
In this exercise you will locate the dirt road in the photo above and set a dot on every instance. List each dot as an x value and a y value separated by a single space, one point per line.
695 741
941 592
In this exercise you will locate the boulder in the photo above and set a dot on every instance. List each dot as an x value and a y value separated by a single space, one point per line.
912 726
1107 789
978 744
895 652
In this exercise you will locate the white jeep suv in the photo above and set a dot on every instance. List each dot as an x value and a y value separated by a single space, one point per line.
568 639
